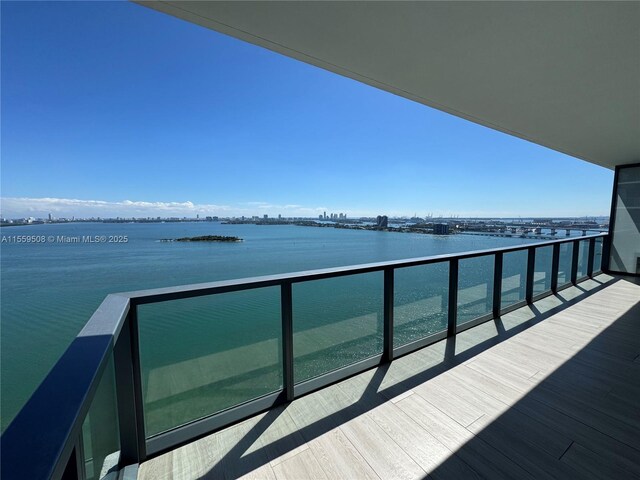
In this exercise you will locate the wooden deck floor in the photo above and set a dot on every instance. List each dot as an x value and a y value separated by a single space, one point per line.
547 391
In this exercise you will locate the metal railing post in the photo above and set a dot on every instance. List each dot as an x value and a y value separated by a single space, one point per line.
497 284
574 261
126 356
75 465
591 257
387 354
531 268
287 339
555 265
453 297
606 253
607 244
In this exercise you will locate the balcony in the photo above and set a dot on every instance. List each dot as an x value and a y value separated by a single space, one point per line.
546 391
519 362
463 362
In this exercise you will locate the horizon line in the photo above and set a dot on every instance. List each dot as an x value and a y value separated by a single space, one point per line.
42 207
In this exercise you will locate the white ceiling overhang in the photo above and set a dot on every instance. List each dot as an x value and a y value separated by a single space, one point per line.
565 75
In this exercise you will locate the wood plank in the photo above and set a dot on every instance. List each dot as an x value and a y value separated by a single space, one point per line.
386 457
318 416
339 458
302 465
480 456
517 447
605 445
606 420
536 434
592 465
505 365
454 468
402 396
160 467
582 411
238 452
417 442
463 412
282 438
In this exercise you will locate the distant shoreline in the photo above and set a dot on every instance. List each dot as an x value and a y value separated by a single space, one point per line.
498 227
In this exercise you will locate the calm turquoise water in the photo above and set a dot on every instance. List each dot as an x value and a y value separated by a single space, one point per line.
48 292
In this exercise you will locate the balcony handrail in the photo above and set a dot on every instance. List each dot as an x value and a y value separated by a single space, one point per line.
43 435
44 441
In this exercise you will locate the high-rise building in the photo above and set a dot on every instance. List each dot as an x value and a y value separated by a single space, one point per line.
441 228
382 221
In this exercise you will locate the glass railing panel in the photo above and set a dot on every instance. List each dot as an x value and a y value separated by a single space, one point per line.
100 437
421 302
542 270
564 263
514 277
202 355
583 257
475 287
597 255
336 322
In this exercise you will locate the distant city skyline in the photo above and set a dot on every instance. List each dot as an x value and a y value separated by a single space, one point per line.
67 208
162 117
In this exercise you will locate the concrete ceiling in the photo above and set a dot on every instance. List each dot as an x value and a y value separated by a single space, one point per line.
565 75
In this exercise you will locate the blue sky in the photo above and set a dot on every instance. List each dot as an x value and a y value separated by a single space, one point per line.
115 109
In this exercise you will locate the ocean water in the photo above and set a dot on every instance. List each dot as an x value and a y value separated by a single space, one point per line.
190 348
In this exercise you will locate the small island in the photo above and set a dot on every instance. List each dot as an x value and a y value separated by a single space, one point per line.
203 238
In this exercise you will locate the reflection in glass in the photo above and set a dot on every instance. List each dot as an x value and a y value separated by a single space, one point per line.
205 354
597 255
542 270
564 265
583 258
100 437
421 300
336 322
514 277
475 288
